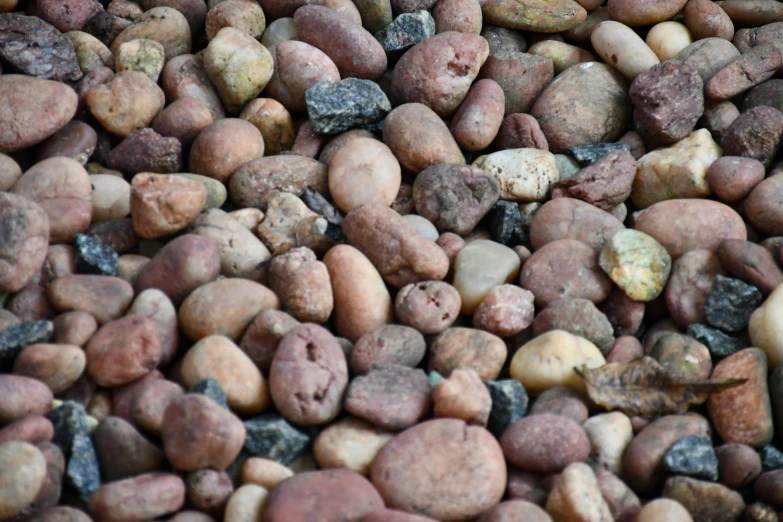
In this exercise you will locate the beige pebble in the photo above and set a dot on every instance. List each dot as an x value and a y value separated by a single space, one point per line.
264 472
351 444
667 39
479 267
246 504
619 46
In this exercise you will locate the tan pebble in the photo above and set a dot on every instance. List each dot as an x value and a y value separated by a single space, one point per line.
264 472
351 444
463 395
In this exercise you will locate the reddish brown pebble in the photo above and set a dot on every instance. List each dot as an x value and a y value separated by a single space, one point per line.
32 429
105 298
429 306
139 498
545 443
22 396
389 344
505 311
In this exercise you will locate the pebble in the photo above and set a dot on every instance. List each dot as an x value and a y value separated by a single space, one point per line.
505 224
771 457
693 456
545 443
549 360
246 503
705 501
335 107
552 221
308 376
198 433
264 472
127 102
763 329
738 465
732 178
389 344
550 17
364 171
150 402
69 420
124 452
667 39
23 474
509 404
57 366
481 266
441 468
389 396
752 263
464 396
524 175
618 45
579 317
273 437
664 509
731 303
743 414
520 131
610 434
637 263
350 444
521 76
515 510
460 347
16 337
755 134
223 146
83 472
143 497
405 31
332 494
36 48
93 257
143 55
586 155
505 311
209 387
123 350
604 183
577 496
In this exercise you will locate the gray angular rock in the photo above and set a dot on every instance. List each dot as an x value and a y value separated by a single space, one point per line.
589 154
273 437
771 457
718 343
509 404
405 31
93 257
69 420
211 388
336 107
730 303
17 337
83 471
505 224
35 48
320 205
693 456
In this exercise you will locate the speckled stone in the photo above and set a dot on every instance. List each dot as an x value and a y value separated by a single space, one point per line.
509 404
273 437
36 48
693 456
405 31
83 471
771 457
589 154
69 420
17 337
637 263
505 225
718 343
320 205
336 107
731 303
93 257
211 389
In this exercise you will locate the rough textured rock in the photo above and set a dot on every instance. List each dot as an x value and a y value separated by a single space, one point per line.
272 437
36 48
731 303
335 107
405 31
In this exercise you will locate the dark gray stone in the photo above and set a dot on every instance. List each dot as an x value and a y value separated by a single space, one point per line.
718 343
505 225
69 420
93 257
35 48
320 205
83 471
589 154
693 456
405 31
273 437
19 336
509 404
336 107
211 389
730 303
771 457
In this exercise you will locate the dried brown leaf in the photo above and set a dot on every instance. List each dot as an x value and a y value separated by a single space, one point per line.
645 388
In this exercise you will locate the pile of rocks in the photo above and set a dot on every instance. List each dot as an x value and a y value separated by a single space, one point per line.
336 260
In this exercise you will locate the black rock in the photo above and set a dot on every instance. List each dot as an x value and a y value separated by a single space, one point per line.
18 336
273 437
336 107
83 471
211 389
505 224
509 404
718 343
731 302
69 420
320 205
93 257
589 154
405 31
771 457
693 456
105 27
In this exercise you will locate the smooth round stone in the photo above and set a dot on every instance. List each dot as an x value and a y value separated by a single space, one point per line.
621 47
22 474
443 469
545 443
423 225
468 348
281 30
364 171
216 191
561 400
246 503
610 433
549 360
546 16
576 495
738 465
637 263
110 197
662 509
351 444
766 328
264 472
667 39
56 365
479 267
334 494
524 175
217 357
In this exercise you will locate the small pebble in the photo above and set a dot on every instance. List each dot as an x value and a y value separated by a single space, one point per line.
693 456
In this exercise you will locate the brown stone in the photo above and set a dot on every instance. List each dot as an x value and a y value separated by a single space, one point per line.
123 350
468 348
25 237
162 205
105 298
604 184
